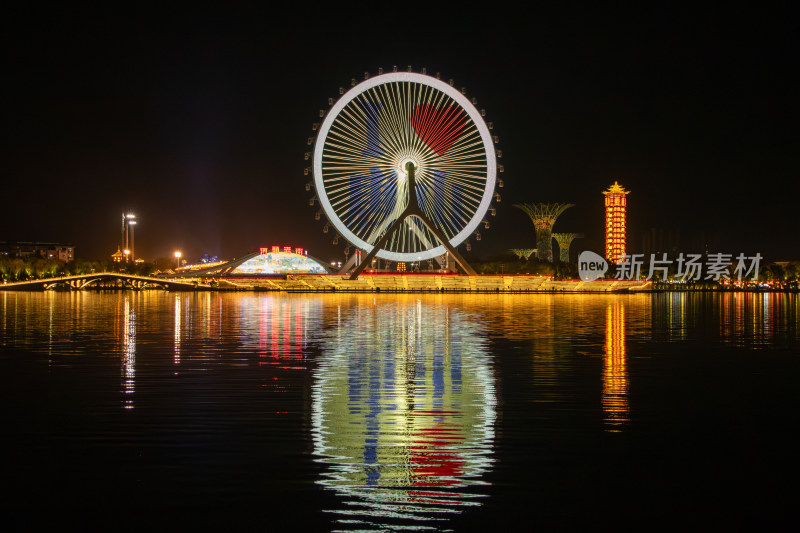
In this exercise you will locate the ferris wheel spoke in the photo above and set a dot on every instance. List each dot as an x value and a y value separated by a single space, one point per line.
350 135
450 219
467 148
376 202
364 221
446 214
467 185
390 123
419 237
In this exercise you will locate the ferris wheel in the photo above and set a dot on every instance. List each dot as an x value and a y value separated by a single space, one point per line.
404 167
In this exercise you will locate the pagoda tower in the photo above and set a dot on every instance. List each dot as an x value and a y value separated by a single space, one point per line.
616 204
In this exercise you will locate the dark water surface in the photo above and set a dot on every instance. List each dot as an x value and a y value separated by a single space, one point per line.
214 411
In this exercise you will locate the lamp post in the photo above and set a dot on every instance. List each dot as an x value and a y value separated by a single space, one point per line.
178 255
131 224
130 221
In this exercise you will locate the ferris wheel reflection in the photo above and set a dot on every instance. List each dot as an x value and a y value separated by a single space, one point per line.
403 413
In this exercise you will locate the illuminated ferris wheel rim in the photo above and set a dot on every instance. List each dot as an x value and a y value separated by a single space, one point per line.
471 111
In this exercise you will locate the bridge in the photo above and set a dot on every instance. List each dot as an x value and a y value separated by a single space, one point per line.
126 281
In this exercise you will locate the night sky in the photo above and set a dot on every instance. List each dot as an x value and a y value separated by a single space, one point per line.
197 120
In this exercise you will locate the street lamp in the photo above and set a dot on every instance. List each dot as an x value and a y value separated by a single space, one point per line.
131 224
128 220
178 255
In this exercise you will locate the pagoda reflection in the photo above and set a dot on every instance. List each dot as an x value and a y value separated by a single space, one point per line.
615 372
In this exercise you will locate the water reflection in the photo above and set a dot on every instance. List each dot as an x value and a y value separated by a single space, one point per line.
740 318
128 353
177 355
615 373
282 334
670 313
381 409
403 412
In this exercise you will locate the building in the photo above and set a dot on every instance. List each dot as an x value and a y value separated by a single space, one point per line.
118 256
44 250
266 261
616 204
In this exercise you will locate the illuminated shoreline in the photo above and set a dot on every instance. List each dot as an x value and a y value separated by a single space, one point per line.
374 283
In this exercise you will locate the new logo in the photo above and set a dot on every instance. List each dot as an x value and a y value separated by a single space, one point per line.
591 266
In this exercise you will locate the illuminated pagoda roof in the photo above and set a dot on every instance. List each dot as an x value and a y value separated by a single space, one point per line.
616 189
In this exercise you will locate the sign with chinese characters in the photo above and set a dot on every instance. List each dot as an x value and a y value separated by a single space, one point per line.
686 267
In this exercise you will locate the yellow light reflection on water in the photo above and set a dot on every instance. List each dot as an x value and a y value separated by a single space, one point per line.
128 353
615 372
177 356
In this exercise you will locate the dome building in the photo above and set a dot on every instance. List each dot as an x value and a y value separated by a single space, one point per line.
274 261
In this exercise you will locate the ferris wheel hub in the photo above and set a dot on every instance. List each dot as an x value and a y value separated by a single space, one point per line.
401 167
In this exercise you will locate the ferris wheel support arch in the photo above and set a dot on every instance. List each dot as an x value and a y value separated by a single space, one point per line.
412 209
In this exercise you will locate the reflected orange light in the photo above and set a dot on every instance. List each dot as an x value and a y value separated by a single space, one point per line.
615 373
